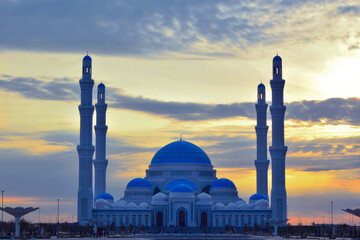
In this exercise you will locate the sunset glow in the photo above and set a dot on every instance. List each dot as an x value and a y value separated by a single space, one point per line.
192 70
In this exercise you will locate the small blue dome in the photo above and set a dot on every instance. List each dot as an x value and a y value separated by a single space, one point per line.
181 152
87 58
175 182
257 196
105 196
138 182
277 58
223 183
261 85
181 188
101 85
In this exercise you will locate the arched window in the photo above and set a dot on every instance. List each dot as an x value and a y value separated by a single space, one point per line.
182 220
203 219
159 219
230 220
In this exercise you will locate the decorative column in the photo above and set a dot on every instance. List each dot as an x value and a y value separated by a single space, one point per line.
85 149
278 149
18 213
261 162
100 162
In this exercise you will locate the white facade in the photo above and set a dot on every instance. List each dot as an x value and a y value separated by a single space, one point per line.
181 189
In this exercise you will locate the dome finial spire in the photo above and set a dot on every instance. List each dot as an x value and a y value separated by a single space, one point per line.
180 136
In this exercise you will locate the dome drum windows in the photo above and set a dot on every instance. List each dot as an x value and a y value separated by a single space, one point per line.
206 173
154 173
180 173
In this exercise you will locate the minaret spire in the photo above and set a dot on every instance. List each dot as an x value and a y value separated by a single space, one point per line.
278 149
261 162
100 162
85 148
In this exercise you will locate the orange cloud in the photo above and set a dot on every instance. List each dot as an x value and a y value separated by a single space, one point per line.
321 218
305 154
12 201
33 145
19 201
304 182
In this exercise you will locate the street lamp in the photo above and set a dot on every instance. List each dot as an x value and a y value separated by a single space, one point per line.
332 218
2 214
58 219
332 213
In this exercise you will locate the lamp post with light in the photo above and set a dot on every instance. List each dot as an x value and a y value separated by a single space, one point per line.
2 214
58 219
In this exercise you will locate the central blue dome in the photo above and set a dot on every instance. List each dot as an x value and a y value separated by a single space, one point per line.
181 152
175 182
181 188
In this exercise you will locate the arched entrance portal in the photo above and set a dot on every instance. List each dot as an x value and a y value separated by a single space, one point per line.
203 219
159 219
182 222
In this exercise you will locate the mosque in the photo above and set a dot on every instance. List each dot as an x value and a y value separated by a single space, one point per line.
180 187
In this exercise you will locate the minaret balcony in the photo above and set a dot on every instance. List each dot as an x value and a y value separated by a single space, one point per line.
86 83
277 84
278 151
277 110
86 110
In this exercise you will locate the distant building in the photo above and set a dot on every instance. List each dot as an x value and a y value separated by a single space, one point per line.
180 187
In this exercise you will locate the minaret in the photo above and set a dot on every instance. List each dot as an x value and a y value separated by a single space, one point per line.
100 162
278 149
85 149
261 162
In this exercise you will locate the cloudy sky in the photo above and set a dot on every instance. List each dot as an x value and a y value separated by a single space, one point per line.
180 66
